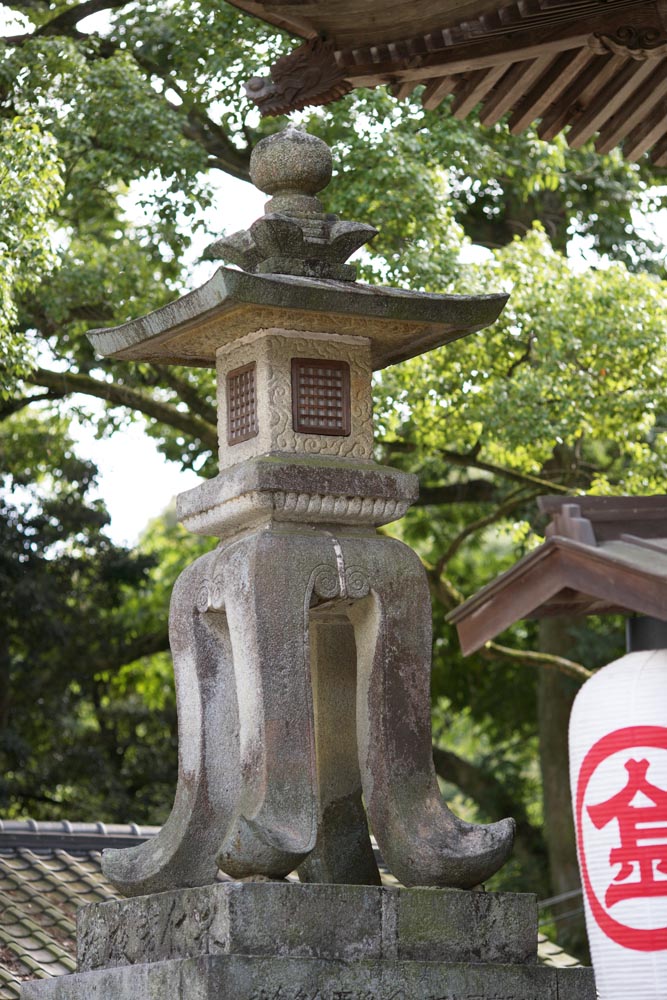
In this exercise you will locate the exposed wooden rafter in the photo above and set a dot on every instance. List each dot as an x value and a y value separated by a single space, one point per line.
597 66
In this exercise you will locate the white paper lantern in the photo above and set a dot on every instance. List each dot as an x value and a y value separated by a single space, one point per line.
618 774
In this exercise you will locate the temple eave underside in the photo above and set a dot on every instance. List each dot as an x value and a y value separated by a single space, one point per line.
599 68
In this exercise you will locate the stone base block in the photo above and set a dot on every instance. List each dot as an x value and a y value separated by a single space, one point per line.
241 977
289 919
293 941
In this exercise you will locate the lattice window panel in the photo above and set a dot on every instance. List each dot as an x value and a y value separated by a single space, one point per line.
241 404
321 396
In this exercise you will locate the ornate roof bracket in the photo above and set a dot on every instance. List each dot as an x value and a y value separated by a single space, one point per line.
631 41
598 66
310 75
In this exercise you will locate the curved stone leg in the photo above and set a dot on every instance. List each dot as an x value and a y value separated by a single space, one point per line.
183 853
269 580
422 842
343 853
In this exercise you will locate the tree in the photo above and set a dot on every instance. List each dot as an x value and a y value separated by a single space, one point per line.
562 395
30 188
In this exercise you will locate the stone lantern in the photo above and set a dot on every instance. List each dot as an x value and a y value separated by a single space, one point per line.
302 656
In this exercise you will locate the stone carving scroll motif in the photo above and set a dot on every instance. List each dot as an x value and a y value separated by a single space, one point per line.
357 445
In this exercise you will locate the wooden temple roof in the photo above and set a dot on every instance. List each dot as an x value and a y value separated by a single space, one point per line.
601 555
597 66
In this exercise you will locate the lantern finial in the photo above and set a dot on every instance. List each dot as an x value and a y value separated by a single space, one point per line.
295 235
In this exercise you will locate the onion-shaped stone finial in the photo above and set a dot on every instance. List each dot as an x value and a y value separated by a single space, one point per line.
295 235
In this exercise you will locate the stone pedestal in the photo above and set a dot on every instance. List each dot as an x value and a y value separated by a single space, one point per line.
290 941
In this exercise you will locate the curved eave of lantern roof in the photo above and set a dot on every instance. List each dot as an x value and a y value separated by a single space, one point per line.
400 324
568 577
352 23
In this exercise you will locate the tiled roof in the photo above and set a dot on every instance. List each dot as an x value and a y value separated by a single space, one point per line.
49 870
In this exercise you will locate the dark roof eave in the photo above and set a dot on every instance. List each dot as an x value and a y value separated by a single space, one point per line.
524 591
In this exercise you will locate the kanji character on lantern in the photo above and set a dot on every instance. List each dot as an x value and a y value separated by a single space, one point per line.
640 827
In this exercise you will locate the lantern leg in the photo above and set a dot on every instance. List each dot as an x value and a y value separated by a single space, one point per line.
183 852
422 842
269 580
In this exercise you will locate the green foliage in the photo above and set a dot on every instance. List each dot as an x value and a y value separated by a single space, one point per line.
30 189
575 361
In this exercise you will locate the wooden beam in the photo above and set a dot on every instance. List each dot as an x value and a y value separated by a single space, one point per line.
608 101
563 71
563 111
437 90
634 112
475 89
659 156
646 134
402 90
517 81
460 59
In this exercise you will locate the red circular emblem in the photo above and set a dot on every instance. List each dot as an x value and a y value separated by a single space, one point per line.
633 854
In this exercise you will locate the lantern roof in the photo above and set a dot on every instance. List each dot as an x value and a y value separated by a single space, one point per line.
598 67
602 555
399 324
294 276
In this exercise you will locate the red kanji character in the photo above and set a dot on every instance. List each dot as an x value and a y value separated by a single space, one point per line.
637 824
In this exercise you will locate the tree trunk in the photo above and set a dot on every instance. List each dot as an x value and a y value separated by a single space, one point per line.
555 696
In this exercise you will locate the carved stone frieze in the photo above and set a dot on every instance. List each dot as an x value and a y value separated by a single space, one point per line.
229 516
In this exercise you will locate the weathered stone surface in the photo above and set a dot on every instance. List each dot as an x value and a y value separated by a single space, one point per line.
302 488
577 984
236 977
400 324
333 922
295 235
271 352
247 765
291 161
295 356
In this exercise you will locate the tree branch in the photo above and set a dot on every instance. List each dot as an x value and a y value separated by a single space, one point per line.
530 658
511 503
11 406
474 491
68 19
187 392
120 395
469 460
196 125
143 645
199 127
